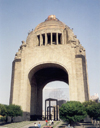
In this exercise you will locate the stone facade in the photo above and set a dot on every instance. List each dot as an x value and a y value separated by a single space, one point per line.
51 52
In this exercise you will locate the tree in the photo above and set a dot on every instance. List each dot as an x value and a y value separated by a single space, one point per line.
88 103
3 110
14 110
72 111
94 111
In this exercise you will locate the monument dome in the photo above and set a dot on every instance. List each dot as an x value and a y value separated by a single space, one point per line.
49 23
51 32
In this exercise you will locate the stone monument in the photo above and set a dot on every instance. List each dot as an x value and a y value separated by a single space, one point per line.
51 52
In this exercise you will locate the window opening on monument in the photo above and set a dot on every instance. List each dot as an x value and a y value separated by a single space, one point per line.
54 38
59 38
38 37
48 38
43 37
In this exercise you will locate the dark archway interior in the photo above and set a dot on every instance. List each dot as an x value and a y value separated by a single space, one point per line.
46 75
39 77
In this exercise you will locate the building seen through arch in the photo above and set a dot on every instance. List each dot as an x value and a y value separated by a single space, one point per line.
51 52
54 95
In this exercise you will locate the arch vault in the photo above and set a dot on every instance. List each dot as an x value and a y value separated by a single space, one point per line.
51 52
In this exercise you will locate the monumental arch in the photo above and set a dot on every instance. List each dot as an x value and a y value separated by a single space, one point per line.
51 52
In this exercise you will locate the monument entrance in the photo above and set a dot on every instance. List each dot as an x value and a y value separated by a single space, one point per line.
51 52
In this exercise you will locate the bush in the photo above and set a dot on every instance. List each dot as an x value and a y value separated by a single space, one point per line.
72 111
3 110
2 119
88 103
14 110
9 110
94 111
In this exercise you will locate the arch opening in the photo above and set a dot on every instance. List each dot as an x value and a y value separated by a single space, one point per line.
54 90
39 77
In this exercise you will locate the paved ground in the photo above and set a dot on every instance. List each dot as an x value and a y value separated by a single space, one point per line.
32 124
90 125
27 124
57 124
43 123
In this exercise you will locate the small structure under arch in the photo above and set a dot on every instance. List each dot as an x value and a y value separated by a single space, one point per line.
48 113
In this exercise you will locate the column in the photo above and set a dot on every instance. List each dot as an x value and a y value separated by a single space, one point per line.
47 113
57 38
54 113
51 38
49 109
45 110
41 40
45 38
62 38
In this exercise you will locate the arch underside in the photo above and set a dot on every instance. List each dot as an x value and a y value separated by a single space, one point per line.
39 77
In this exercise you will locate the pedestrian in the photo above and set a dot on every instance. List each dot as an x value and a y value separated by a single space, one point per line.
52 122
39 125
46 122
35 124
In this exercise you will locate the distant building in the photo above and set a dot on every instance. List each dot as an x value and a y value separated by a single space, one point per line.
95 97
60 102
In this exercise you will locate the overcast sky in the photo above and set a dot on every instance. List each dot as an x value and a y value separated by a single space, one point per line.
18 17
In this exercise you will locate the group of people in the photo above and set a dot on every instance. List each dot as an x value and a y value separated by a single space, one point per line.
50 123
39 125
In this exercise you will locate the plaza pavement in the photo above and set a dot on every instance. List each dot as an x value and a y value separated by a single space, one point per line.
57 124
27 124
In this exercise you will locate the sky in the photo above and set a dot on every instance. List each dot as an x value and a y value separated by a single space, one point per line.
18 17
55 92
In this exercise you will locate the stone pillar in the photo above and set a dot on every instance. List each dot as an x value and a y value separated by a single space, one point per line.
62 42
41 40
57 38
64 35
39 101
33 96
61 39
45 110
45 38
15 83
51 38
49 109
54 113
80 78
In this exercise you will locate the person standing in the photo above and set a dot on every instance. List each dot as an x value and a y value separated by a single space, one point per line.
52 122
39 125
46 122
35 124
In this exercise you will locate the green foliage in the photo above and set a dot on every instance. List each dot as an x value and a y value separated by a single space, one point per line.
88 103
3 110
72 111
94 111
14 110
10 110
2 119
